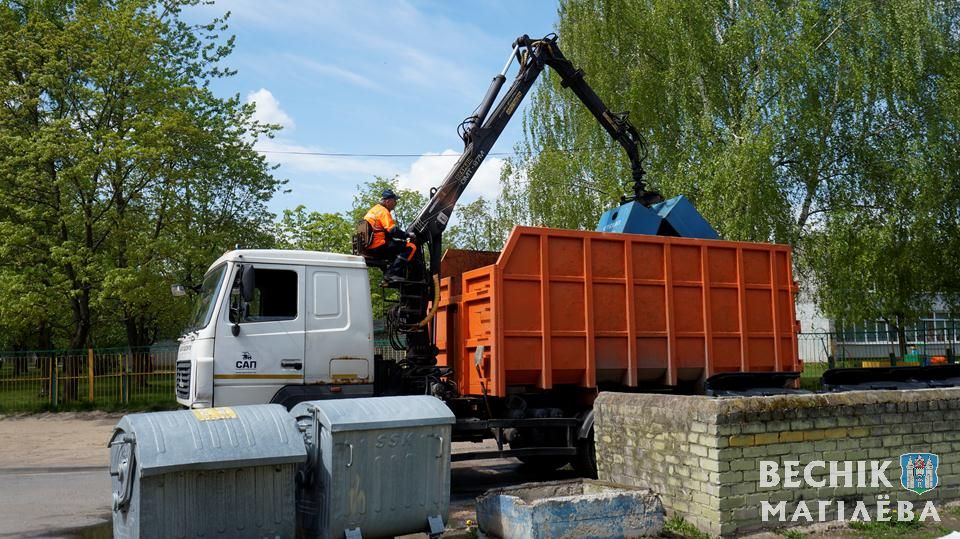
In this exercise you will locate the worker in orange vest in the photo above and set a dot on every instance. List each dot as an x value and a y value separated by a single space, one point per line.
388 239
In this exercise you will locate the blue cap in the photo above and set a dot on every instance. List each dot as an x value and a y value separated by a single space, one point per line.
387 194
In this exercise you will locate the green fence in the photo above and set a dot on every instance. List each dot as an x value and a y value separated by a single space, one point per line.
103 378
116 378
845 349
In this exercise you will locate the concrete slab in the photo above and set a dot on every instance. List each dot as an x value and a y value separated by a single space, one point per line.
570 509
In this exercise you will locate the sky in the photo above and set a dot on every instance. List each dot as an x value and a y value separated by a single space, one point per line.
372 77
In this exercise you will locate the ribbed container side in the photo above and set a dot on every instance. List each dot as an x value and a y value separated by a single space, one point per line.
587 308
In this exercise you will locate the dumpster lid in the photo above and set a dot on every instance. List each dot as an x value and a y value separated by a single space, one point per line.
211 438
377 412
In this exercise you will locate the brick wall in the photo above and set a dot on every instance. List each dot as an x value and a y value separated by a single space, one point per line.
703 454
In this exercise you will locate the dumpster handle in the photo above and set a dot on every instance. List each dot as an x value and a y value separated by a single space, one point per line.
350 460
440 456
126 468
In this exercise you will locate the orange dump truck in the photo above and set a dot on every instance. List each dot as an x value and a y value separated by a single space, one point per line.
559 315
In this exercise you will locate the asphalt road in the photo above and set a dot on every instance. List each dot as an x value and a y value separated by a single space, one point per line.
44 502
74 502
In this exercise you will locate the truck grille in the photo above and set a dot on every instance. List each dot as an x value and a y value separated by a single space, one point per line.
183 379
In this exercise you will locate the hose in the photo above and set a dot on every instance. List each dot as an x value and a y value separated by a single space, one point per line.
436 303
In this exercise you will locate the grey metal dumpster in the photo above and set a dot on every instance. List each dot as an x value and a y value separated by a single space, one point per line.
215 472
379 467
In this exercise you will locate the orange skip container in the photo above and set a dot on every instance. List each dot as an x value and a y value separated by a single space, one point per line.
590 308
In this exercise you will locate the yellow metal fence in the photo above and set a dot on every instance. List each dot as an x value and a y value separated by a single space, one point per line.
101 378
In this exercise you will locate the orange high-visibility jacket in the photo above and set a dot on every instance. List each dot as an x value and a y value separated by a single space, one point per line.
382 222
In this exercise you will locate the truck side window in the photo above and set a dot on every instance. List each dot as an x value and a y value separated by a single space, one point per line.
274 297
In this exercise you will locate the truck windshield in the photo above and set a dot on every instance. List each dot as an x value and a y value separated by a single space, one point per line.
203 309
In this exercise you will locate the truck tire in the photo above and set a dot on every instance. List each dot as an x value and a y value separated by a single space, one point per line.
585 463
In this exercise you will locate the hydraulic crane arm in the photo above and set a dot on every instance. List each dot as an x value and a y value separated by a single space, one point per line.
410 317
479 134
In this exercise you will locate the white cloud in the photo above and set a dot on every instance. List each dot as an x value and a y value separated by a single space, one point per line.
426 171
294 157
328 182
427 69
330 70
430 169
268 109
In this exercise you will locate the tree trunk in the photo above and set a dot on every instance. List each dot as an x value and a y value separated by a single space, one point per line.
19 360
137 339
44 336
901 336
73 363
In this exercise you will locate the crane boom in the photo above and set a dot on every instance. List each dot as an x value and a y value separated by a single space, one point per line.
410 317
481 133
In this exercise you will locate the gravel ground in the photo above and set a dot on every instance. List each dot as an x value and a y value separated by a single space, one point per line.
62 439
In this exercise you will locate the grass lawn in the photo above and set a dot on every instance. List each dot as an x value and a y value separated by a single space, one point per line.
154 391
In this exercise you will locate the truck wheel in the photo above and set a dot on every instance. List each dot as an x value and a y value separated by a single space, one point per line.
585 463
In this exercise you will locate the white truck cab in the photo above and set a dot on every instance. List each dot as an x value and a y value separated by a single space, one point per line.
278 326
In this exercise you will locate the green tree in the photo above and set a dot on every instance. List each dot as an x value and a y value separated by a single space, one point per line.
476 227
121 172
33 309
827 125
315 231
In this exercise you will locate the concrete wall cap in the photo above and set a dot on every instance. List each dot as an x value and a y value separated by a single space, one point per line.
684 405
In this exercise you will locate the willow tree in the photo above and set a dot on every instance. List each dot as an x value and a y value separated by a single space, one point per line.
810 122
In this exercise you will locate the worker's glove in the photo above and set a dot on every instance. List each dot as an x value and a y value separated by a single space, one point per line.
412 235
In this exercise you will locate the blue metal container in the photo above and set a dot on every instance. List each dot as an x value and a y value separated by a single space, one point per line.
684 219
674 217
630 218
579 508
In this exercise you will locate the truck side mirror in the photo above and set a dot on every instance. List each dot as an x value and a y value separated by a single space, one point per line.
248 282
247 285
